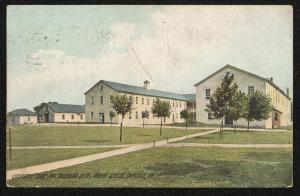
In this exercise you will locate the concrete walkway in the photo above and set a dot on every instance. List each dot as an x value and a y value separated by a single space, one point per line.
69 147
88 158
229 145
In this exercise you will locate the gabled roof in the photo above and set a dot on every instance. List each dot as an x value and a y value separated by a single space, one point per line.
246 72
22 112
140 90
66 108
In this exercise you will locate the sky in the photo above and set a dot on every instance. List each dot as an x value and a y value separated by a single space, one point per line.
56 53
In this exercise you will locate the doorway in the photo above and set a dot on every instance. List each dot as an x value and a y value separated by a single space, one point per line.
228 120
101 117
46 117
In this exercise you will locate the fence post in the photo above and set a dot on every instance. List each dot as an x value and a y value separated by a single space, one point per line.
9 139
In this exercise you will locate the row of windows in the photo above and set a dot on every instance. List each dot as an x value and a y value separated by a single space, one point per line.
72 116
207 91
178 103
136 115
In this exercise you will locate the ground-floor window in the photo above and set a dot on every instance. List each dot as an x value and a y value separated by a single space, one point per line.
81 117
63 117
72 117
136 115
28 118
209 115
92 115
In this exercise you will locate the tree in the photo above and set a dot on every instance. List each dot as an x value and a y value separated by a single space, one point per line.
112 114
219 101
258 107
145 114
39 107
122 105
161 109
185 115
237 107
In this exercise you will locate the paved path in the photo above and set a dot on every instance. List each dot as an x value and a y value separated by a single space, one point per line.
84 159
69 147
230 145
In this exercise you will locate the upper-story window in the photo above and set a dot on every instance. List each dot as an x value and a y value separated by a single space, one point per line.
111 98
101 99
92 100
136 100
148 101
101 87
250 89
142 100
207 93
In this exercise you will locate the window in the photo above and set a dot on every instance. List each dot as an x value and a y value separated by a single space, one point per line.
136 115
142 100
250 89
81 117
92 100
176 115
180 104
130 115
164 119
147 101
207 93
28 118
92 115
101 99
176 104
63 117
101 87
136 100
209 116
72 117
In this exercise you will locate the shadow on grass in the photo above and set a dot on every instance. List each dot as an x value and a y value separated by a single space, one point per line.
98 141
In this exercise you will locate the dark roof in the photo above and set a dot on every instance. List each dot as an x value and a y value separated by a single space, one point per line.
66 108
190 97
22 112
140 90
246 72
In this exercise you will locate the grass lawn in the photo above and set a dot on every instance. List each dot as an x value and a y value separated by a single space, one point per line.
175 167
244 137
73 135
29 157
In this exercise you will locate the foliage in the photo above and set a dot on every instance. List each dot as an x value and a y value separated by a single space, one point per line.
184 114
161 109
122 105
219 102
112 114
145 114
258 107
36 109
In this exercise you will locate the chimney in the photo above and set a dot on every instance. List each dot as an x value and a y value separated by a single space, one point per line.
287 92
146 84
271 79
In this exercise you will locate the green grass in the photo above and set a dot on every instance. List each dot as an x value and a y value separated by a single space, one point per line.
29 157
73 135
244 137
175 167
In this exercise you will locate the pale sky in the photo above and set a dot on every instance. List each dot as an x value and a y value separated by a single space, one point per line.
56 53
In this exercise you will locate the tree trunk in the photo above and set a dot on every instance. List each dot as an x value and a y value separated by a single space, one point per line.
235 126
121 130
248 126
160 126
186 128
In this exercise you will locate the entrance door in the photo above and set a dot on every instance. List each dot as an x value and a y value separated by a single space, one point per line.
46 117
101 117
228 120
276 120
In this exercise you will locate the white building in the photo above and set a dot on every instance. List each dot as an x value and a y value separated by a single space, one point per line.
98 103
21 116
62 113
281 115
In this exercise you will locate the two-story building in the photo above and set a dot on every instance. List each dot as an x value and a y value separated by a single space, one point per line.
281 115
98 103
